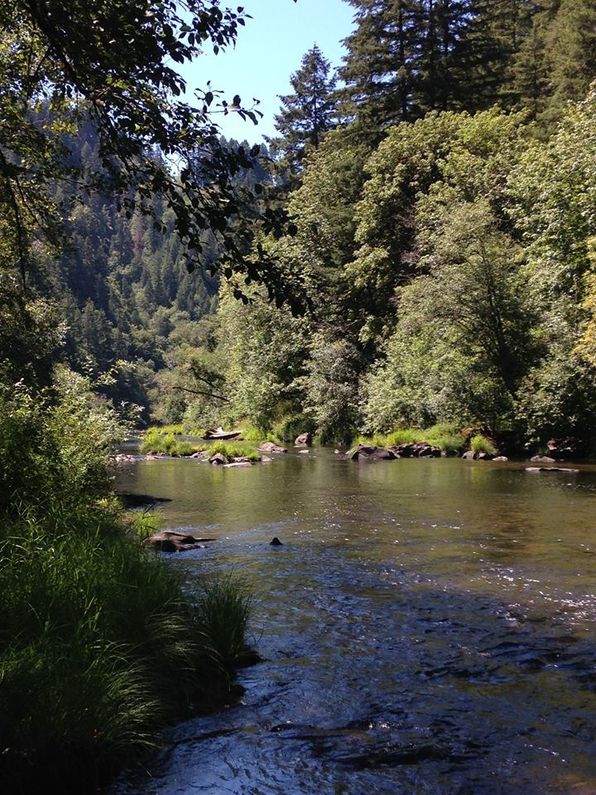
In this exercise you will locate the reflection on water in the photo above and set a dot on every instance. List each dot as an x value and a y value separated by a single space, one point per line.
427 627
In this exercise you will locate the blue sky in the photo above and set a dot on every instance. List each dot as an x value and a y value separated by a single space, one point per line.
269 49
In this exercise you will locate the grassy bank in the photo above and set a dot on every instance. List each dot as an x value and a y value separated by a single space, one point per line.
162 441
447 437
100 645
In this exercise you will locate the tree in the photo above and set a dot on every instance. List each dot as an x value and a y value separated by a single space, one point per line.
64 63
379 70
306 114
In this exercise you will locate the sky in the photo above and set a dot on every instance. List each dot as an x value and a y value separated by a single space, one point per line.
268 50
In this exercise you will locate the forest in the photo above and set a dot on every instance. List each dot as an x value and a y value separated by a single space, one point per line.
415 248
441 191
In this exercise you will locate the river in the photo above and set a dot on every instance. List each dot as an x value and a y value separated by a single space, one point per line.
426 627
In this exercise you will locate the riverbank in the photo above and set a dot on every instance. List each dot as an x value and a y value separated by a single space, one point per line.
102 644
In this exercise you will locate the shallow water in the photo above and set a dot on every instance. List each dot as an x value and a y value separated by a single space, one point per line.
426 627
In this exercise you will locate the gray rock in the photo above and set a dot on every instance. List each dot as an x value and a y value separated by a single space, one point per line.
501 458
219 459
304 440
542 459
370 452
469 455
271 447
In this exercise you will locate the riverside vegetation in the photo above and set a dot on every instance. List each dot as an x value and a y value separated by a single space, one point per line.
99 647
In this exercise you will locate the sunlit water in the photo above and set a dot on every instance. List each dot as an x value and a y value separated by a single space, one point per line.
426 627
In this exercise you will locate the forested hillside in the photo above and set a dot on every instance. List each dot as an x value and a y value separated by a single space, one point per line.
445 199
442 190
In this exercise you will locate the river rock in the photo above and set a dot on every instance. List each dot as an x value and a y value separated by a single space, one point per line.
176 541
370 452
542 459
469 455
484 456
304 440
415 450
275 542
219 459
271 447
551 469
236 464
501 458
124 458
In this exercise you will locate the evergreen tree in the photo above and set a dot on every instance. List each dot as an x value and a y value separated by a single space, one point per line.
307 113
380 70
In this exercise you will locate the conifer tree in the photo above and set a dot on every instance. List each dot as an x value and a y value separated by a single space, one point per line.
307 113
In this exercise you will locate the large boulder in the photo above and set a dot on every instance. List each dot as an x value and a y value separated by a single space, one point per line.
370 452
304 440
271 447
542 459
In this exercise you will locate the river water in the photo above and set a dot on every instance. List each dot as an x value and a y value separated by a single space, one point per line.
426 627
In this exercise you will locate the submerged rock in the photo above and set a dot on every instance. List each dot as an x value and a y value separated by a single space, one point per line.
176 541
140 500
551 469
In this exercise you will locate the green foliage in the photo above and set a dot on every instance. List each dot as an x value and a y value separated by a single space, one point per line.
291 426
480 444
446 436
331 388
235 449
93 623
163 441
119 60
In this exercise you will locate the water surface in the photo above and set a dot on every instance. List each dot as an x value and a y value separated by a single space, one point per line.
426 627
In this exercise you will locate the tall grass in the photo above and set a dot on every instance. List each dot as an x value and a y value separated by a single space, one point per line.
99 645
445 436
482 444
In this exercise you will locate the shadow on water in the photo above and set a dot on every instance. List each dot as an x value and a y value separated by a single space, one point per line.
426 629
